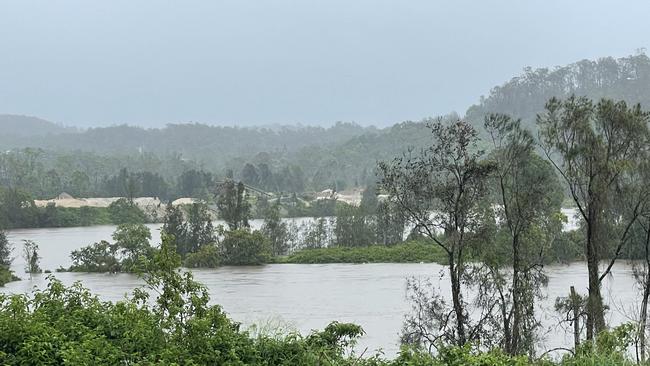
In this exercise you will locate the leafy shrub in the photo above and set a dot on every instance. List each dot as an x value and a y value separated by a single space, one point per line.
243 247
207 257
123 211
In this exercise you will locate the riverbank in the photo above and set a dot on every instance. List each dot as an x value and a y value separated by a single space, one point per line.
420 251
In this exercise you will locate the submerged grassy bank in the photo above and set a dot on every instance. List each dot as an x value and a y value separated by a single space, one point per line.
409 252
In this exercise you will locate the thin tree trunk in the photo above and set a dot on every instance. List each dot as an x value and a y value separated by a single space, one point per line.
644 314
595 310
575 307
457 299
516 298
646 294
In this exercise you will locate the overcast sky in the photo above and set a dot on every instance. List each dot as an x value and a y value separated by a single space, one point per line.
263 62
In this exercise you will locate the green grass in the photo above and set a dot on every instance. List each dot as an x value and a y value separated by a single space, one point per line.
410 252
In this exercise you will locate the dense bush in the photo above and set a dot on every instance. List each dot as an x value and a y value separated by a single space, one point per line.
207 257
6 276
124 211
52 216
411 252
244 247
131 245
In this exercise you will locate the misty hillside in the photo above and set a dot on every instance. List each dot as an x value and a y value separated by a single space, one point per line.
194 141
26 126
344 152
524 96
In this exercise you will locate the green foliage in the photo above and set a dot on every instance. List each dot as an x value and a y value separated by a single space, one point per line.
353 227
610 348
233 206
97 257
410 252
124 211
567 247
524 96
131 245
199 230
6 276
175 227
276 230
390 223
317 234
17 209
192 234
132 242
207 257
32 258
5 250
243 247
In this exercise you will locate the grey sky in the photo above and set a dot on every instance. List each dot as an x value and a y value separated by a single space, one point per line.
278 61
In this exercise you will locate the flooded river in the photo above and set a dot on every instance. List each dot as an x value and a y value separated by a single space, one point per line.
305 297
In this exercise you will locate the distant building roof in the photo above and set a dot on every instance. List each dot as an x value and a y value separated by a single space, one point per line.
64 196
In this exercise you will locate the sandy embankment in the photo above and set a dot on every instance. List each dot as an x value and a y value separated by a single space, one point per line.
152 206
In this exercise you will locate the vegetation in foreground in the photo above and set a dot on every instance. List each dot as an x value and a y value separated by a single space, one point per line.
69 326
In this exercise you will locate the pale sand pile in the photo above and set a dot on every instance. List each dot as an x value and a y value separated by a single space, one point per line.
352 197
184 201
151 206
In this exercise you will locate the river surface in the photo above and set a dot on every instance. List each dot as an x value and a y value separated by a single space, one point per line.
305 297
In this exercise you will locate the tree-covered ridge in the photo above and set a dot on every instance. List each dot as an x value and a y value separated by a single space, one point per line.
350 162
524 96
192 140
16 126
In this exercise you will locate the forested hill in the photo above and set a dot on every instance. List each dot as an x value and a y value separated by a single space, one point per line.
195 141
524 96
285 158
13 126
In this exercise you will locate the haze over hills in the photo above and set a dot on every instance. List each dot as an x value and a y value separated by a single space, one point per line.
27 126
286 62
523 96
342 155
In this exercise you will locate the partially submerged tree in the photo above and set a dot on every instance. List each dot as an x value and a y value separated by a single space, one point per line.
98 257
390 223
354 227
232 204
276 230
6 275
5 250
32 258
132 242
192 232
592 146
199 230
175 228
439 191
244 247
